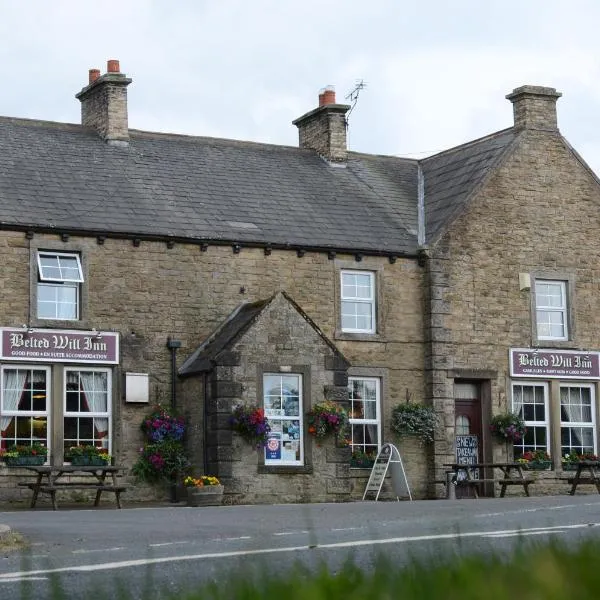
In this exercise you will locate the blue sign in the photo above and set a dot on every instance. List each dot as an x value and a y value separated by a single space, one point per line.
273 449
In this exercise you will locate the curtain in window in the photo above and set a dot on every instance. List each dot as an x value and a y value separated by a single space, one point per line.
574 412
95 388
14 381
518 401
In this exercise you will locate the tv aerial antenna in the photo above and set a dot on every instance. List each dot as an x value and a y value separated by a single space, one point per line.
353 96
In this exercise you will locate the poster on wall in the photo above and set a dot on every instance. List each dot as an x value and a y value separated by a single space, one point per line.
273 447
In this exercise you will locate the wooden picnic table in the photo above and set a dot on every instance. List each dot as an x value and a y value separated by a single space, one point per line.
49 479
587 473
512 474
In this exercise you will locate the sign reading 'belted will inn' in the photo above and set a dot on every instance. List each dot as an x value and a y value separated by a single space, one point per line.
57 345
565 364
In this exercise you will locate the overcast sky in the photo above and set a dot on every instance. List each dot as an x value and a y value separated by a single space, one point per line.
437 71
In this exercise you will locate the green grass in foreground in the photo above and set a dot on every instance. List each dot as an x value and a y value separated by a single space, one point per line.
534 573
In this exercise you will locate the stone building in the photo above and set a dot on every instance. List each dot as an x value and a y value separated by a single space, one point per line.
143 268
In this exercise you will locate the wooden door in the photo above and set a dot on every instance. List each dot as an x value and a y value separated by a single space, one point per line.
467 422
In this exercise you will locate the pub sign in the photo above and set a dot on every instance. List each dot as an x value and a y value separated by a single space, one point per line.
563 364
59 345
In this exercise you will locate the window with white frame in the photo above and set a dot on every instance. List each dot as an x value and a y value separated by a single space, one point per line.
551 309
58 288
365 420
530 402
87 405
358 301
24 406
282 398
577 419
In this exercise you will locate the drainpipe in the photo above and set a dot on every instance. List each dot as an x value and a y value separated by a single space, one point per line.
172 345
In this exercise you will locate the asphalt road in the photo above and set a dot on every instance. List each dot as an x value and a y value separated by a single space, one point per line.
152 550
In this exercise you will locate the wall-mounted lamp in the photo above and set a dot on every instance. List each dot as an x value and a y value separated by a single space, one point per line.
97 334
28 329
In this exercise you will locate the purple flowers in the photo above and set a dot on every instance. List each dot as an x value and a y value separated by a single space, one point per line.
508 427
250 422
326 417
161 426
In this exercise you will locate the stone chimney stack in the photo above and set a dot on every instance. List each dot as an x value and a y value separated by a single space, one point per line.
323 129
534 107
104 103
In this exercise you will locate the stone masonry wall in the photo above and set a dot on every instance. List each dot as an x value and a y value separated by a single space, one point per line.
539 211
149 292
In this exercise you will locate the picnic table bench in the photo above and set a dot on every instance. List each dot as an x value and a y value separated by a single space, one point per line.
587 474
48 481
469 476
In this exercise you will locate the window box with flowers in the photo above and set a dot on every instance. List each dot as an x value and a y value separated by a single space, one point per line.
250 423
87 455
33 454
571 461
362 460
205 490
537 460
327 418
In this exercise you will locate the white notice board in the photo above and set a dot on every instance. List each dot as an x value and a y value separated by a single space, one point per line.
388 459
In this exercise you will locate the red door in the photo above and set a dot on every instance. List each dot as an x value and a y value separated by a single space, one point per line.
467 422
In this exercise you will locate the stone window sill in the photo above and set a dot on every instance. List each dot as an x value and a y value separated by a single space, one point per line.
358 337
285 470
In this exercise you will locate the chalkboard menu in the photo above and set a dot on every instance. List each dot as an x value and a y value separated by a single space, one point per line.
467 453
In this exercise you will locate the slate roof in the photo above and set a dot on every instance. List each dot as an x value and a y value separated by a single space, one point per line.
64 178
451 177
205 356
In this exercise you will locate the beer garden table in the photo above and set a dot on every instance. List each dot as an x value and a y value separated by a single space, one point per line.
49 479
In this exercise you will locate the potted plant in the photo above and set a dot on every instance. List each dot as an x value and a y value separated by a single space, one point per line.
536 459
326 418
362 460
205 490
250 423
19 455
87 454
415 420
508 427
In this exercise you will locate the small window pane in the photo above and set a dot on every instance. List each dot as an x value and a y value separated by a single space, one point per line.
59 267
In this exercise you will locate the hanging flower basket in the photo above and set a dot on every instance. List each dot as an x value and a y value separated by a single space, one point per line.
508 427
251 424
414 420
325 418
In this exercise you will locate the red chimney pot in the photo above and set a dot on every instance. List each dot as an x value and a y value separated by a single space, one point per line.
112 66
94 74
327 96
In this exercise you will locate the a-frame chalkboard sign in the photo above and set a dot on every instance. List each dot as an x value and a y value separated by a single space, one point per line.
388 458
